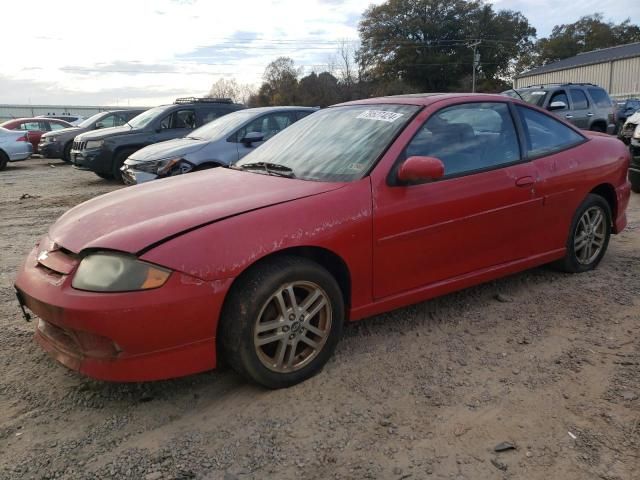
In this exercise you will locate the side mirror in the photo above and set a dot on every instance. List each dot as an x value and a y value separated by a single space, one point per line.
421 168
557 105
251 137
99 125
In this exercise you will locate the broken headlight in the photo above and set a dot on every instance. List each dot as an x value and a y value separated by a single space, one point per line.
117 272
163 167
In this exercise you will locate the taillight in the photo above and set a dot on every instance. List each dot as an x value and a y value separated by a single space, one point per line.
22 139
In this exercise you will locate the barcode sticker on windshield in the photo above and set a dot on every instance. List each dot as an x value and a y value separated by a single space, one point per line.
381 115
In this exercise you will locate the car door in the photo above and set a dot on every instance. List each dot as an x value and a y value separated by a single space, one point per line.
560 96
176 124
268 125
479 215
580 108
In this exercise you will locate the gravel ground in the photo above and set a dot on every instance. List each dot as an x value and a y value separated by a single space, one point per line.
543 360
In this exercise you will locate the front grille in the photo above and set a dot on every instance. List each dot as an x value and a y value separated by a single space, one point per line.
79 145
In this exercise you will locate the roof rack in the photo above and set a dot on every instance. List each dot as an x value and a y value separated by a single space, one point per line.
565 84
202 100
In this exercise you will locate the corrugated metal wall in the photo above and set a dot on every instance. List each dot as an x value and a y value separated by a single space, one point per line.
8 112
621 78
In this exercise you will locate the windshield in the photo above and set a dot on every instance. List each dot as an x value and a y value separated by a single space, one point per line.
89 121
534 97
339 144
222 126
145 118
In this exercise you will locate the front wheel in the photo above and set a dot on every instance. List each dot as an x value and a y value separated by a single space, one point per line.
66 152
282 321
4 160
589 236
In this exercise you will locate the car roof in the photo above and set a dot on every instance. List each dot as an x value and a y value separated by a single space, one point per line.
33 119
283 108
424 99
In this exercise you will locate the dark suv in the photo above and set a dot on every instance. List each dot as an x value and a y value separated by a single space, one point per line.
104 151
585 105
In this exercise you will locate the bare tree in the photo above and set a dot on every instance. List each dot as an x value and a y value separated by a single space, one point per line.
347 62
224 88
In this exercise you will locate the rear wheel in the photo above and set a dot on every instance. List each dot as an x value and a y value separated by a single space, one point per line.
597 127
106 176
589 236
4 160
66 152
282 321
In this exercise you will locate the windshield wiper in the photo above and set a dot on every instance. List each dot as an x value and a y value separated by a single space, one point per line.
270 168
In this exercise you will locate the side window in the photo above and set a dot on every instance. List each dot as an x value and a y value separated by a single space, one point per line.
179 119
210 115
560 96
268 125
32 127
468 137
579 99
303 114
56 126
109 121
600 97
544 134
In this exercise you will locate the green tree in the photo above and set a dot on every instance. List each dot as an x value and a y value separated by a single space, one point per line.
424 43
589 33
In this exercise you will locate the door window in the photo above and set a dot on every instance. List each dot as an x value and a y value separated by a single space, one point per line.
109 121
32 127
179 119
544 134
56 126
268 125
468 138
579 99
560 96
600 97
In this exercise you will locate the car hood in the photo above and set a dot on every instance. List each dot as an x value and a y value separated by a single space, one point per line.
107 132
168 149
65 131
136 218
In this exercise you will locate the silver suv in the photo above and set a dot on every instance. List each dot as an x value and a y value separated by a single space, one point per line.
586 105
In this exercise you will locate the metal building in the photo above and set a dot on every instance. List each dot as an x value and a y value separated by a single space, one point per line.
617 69
7 112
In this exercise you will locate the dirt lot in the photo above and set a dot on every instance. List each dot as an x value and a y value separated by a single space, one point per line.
546 361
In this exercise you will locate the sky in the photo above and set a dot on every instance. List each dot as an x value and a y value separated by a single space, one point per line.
144 53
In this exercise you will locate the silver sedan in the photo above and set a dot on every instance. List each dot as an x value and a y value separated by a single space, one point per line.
14 146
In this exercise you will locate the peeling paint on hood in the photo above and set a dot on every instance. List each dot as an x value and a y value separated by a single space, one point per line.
134 218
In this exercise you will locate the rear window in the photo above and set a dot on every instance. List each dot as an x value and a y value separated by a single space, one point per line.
600 97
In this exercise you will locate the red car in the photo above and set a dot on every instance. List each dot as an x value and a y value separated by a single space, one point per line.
35 127
355 210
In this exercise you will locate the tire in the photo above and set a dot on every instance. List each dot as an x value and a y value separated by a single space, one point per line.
598 128
579 258
118 162
66 152
106 176
305 343
4 160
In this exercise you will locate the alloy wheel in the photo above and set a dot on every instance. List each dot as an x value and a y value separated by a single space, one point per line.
590 235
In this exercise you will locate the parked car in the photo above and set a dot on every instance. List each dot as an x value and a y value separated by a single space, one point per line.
221 142
633 122
67 117
629 127
35 127
14 147
58 144
625 109
585 105
104 152
353 211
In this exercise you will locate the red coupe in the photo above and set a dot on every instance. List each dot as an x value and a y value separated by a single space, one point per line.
35 127
355 210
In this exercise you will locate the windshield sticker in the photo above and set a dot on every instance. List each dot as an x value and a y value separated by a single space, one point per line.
381 115
358 167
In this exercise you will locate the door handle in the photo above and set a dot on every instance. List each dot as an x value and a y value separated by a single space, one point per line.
568 115
525 181
589 114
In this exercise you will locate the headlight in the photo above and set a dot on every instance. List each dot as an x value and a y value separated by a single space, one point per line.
157 167
52 139
94 144
117 272
636 132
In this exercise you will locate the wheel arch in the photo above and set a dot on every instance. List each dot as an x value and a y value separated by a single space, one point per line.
608 192
598 125
326 258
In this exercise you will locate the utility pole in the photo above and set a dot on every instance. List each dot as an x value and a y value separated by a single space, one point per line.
476 62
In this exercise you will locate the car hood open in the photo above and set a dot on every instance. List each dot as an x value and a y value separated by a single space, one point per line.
169 149
135 218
